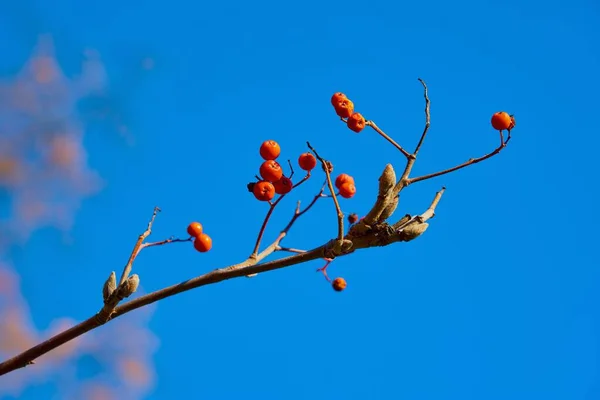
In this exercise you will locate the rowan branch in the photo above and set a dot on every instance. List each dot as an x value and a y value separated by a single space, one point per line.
370 231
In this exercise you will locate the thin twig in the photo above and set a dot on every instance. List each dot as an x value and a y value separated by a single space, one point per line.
136 248
163 242
264 226
340 214
301 181
299 213
270 212
427 117
388 138
290 249
430 212
463 165
323 269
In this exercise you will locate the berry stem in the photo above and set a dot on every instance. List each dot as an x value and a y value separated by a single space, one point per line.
463 165
388 138
323 269
340 214
264 226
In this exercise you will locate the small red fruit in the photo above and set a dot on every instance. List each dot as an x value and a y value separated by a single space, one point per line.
501 121
270 150
356 122
337 97
264 191
339 284
203 243
283 186
344 108
194 229
271 171
307 161
347 190
343 178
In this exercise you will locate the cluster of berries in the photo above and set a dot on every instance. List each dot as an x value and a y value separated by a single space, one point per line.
345 184
273 180
202 242
344 108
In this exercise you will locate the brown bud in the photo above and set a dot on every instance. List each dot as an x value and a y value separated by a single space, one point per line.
413 231
129 286
250 186
387 180
109 286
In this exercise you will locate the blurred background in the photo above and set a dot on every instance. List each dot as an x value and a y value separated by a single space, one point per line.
110 109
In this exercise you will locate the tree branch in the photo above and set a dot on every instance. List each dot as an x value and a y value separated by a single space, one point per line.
371 231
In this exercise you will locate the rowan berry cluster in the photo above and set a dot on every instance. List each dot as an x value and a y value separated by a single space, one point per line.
202 242
344 108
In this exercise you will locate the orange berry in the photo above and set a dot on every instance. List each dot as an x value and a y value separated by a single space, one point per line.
501 121
343 178
356 122
270 150
344 108
203 243
347 190
283 186
194 229
307 161
339 284
264 191
352 218
337 97
271 171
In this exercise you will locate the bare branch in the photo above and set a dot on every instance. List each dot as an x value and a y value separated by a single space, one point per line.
388 138
137 247
463 165
427 117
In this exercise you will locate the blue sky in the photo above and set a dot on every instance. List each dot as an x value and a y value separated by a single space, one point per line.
498 300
